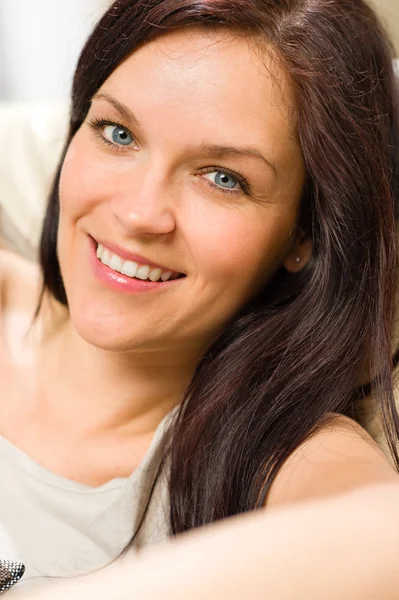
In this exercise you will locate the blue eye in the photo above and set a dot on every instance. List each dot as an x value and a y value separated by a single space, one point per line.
224 180
117 135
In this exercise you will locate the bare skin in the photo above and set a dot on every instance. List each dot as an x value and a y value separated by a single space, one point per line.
35 414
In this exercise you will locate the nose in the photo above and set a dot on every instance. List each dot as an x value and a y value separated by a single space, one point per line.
143 204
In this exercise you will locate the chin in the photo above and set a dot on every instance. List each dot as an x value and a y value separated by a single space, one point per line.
106 332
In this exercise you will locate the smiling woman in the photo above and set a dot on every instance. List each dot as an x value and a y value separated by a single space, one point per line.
225 208
221 228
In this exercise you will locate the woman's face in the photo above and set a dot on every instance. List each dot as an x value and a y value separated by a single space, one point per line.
188 161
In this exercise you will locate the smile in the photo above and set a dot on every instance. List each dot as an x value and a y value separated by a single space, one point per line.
133 269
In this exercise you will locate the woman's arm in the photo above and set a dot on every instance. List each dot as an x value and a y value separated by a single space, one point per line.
344 547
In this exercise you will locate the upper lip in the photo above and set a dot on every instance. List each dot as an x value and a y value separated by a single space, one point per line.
133 257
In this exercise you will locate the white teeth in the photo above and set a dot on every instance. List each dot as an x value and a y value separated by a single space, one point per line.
143 272
116 263
106 258
155 274
133 269
129 268
166 275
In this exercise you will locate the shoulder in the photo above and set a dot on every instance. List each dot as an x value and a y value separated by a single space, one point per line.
339 457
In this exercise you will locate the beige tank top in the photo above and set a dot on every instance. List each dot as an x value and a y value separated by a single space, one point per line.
61 528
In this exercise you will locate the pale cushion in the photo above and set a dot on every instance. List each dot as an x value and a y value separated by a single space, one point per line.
31 141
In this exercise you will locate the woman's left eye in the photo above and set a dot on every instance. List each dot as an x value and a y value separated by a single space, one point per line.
226 181
223 180
117 135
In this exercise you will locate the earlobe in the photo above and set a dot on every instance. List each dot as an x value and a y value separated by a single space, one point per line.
299 256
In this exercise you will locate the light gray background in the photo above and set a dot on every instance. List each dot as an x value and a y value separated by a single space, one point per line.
40 41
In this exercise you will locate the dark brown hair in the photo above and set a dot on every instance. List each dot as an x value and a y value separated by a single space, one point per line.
296 353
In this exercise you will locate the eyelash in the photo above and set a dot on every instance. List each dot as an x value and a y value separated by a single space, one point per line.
98 123
245 186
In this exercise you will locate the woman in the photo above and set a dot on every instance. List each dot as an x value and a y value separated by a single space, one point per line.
219 259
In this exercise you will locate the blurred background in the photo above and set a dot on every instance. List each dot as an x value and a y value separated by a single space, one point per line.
40 41
389 13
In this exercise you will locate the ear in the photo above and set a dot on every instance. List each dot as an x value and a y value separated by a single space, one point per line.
299 255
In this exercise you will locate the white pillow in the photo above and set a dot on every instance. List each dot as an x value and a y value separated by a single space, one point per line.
32 138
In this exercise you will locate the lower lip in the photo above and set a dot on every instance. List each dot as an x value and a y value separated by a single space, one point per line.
119 282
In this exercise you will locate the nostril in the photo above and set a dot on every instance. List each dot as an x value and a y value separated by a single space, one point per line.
10 572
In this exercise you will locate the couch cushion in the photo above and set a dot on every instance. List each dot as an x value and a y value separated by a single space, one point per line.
31 137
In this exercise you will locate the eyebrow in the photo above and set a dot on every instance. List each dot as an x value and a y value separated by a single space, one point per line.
215 150
122 109
210 149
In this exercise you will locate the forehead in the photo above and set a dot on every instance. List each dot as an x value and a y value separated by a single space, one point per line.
215 83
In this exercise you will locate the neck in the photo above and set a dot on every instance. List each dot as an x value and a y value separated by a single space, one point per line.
103 390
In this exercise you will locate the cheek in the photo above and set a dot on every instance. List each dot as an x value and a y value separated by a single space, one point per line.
83 182
236 252
72 183
79 187
240 247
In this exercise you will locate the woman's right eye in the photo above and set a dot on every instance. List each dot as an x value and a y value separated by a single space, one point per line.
113 134
117 135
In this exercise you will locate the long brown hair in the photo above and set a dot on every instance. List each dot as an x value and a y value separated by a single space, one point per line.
295 354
